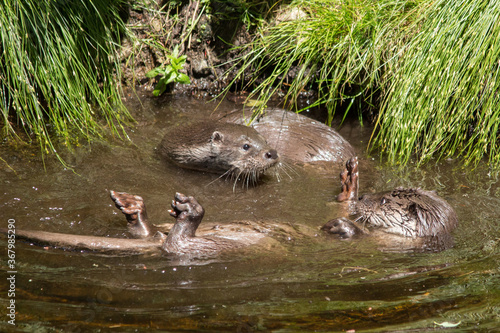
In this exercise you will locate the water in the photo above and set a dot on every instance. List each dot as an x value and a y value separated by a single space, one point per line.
305 282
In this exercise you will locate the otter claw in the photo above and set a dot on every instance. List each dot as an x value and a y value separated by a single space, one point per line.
186 206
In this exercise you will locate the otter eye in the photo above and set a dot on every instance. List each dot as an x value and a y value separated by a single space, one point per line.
382 202
246 146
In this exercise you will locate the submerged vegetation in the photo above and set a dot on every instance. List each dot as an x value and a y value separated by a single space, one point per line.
58 67
431 67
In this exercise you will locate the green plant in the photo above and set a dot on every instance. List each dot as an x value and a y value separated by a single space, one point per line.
170 73
59 69
443 99
341 48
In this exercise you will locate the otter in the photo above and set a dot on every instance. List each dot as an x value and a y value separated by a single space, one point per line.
298 138
181 239
219 147
419 219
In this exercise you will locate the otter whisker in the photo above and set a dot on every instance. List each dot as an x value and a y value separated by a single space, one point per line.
240 172
225 174
285 167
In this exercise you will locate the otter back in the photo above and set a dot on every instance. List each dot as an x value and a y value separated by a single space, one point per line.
298 138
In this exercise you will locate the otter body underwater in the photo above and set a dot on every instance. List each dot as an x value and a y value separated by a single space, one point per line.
181 239
298 138
402 219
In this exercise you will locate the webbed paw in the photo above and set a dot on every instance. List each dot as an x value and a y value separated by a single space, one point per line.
342 227
186 207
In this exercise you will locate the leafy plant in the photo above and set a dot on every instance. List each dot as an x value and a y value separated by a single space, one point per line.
170 73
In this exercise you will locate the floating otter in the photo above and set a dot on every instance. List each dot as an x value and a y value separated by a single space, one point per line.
298 138
219 147
181 239
413 218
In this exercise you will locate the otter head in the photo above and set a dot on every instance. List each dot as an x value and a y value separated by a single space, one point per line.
409 212
242 151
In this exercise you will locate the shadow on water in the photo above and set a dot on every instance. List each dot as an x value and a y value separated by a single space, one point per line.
310 282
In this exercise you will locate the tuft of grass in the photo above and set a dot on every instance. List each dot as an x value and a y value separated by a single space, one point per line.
59 70
339 47
443 99
430 66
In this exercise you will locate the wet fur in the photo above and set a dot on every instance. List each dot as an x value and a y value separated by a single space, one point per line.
181 239
402 219
235 151
408 212
298 138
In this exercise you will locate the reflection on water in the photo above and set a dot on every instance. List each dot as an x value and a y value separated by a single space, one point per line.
312 282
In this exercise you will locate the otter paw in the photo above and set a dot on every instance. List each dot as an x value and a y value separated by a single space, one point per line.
184 206
342 227
129 204
349 180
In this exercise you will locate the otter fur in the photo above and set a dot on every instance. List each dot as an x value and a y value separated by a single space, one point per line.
408 218
219 147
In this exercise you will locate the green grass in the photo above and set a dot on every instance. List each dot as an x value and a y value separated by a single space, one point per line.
443 99
59 69
430 67
338 47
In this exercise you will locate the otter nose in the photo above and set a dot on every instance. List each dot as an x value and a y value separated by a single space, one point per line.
272 154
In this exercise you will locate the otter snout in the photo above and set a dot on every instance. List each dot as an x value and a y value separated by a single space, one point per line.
272 155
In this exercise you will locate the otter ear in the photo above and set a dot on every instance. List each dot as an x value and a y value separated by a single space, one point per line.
217 136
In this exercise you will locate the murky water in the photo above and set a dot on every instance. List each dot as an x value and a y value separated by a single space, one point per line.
310 282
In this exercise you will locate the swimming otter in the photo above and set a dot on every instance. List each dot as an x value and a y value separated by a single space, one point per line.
298 138
181 239
219 147
421 219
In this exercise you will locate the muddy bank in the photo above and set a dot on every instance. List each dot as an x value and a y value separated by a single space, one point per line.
208 34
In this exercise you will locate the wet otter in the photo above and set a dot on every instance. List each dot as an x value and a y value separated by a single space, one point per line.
181 239
219 147
421 219
298 138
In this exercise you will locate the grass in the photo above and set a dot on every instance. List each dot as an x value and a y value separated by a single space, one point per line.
443 99
60 71
338 47
431 67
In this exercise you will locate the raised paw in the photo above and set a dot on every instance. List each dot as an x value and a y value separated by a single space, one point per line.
128 203
135 211
342 227
184 207
349 181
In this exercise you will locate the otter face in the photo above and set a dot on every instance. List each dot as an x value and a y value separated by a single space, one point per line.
246 154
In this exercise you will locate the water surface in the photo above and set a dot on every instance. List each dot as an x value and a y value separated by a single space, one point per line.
310 282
